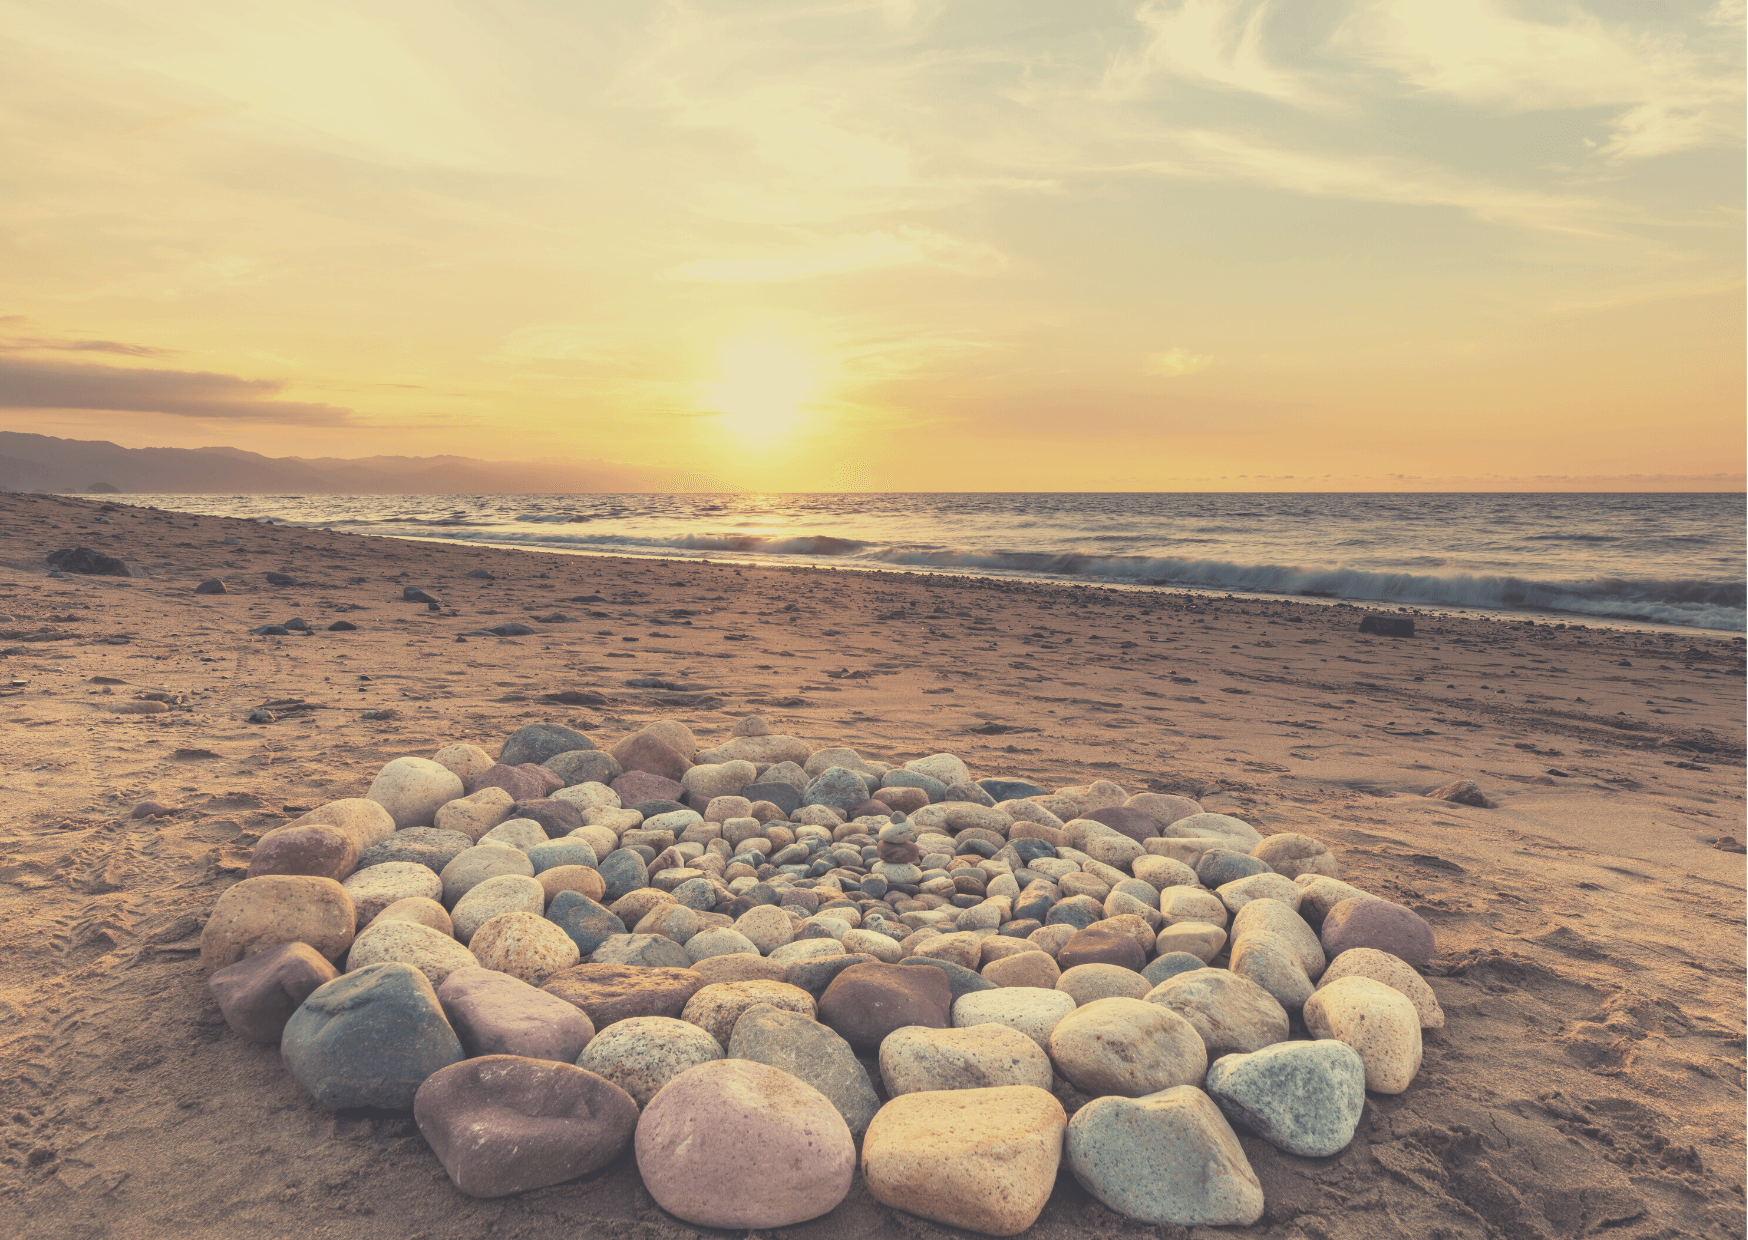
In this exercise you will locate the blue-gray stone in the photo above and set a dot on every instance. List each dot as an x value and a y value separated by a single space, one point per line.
1036 899
1302 1097
539 741
1077 911
1144 892
423 845
369 1039
1170 965
969 792
912 779
961 980
584 766
558 818
874 886
562 852
813 930
794 871
1032 849
781 795
761 893
645 853
588 924
1012 789
623 871
983 848
836 787
643 951
1220 866
696 893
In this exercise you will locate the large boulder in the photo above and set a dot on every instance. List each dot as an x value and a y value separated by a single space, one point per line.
810 1052
734 1144
264 912
258 993
369 1039
503 1124
1170 1157
412 790
981 1159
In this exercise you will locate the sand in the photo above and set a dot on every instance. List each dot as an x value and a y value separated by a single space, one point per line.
1589 1079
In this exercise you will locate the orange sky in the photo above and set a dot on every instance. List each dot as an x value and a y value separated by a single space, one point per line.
1008 245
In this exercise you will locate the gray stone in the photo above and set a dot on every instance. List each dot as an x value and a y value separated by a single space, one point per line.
428 846
588 923
836 787
623 871
539 741
1302 1097
369 1039
1271 964
1220 866
781 795
647 951
809 1051
962 981
1011 789
479 864
815 975
915 779
1168 966
1170 1157
562 852
1229 1013
696 893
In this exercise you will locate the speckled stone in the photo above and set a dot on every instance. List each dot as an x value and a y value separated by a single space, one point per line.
1229 1013
1303 1097
1127 1047
716 1008
524 945
643 1053
1377 1021
1394 973
1170 1157
810 1052
916 1060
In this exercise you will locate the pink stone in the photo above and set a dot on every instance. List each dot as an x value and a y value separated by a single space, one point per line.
259 993
636 787
651 754
518 782
496 1014
735 1144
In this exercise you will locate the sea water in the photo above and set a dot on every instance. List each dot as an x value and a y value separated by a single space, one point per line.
1662 559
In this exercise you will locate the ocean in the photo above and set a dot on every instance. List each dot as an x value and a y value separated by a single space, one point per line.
1675 559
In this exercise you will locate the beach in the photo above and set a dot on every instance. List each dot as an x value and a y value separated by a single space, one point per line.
1590 932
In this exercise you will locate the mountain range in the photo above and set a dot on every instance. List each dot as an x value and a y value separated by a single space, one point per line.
44 463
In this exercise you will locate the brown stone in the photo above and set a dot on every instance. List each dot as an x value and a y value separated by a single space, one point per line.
264 912
608 993
652 755
521 784
259 993
1091 946
503 1124
318 850
866 1002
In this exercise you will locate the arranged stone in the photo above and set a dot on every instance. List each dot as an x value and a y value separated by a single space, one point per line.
711 780
584 766
1026 968
481 864
741 967
623 872
580 879
644 752
1099 946
1240 835
720 941
430 847
734 1144
1166 809
1272 964
504 893
643 1053
1088 983
981 1159
364 820
640 787
1032 1011
1269 918
418 909
866 1002
541 742
1227 1012
1319 893
1169 1158
1239 892
1177 904
1292 854
316 851
1377 1021
476 813
609 993
1220 866
519 783
413 789
587 922
671 921
807 1050
258 994
264 912
430 951
1394 973
960 980
494 1013
645 951
1125 1046
557 816
716 1008
505 1124
984 1056
369 1039
524 945
766 927
376 887
1162 872
1379 924
836 787
1303 1097
464 761
814 976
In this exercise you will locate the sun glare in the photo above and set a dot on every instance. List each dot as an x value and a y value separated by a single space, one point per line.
762 387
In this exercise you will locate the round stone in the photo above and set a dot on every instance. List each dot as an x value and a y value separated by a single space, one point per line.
914 1060
413 789
1127 1047
430 951
316 850
369 1039
642 1054
1227 1012
1371 922
1034 1012
524 945
1377 1021
376 887
1303 1097
480 864
264 912
733 1144
1088 983
1241 891
716 1008
1198 938
1024 968
465 762
1170 1157
496 1014
1292 854
506 893
1394 973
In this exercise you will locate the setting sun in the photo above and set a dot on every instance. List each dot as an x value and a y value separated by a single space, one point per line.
762 388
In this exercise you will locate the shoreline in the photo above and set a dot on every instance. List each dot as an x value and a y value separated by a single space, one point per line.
1590 934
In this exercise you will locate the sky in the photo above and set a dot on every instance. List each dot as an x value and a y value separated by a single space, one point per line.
898 245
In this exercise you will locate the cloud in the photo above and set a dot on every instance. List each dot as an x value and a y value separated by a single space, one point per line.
1176 362
1212 42
86 346
901 247
30 384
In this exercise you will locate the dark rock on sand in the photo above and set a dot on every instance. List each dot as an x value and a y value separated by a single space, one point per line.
540 741
259 993
584 766
91 563
369 1039
212 585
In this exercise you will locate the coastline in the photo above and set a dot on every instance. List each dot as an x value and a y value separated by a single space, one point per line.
1590 935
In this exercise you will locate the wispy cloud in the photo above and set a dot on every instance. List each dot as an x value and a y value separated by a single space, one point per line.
1173 363
29 384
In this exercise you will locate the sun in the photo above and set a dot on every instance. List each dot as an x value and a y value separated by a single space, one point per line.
762 387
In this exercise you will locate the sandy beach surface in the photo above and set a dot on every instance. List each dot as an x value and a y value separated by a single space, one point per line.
1589 1079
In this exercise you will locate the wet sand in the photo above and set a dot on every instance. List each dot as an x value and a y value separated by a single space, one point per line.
1589 1078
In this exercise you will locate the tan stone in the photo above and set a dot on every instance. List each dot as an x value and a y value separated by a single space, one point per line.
428 950
1376 1020
420 911
412 790
1029 968
915 1059
1192 904
1124 1046
981 1159
264 912
717 1007
524 945
1198 938
476 814
1088 983
466 762
1395 973
578 878
364 820
739 967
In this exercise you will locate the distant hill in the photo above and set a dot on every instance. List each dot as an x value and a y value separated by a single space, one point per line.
44 463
